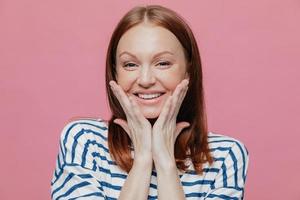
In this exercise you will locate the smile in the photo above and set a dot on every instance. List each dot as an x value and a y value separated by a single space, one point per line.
148 98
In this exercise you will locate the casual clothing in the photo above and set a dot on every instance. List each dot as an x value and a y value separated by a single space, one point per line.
85 169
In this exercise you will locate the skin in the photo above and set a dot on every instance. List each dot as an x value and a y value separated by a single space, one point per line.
152 128
144 72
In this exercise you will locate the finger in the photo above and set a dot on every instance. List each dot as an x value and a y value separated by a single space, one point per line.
184 87
124 125
179 89
171 113
136 109
121 96
179 95
181 98
173 101
163 116
118 91
180 126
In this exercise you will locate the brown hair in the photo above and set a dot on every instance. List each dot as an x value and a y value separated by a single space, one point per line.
192 142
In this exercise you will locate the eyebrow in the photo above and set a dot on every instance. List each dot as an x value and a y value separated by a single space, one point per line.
156 55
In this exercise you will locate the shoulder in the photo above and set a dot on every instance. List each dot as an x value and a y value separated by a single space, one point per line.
231 159
81 132
216 140
95 122
225 147
77 126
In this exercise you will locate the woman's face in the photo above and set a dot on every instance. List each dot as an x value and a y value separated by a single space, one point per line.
150 63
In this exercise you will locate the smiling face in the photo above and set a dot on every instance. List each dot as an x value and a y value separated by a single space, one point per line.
150 63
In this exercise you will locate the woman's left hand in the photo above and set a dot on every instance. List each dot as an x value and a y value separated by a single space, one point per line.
165 130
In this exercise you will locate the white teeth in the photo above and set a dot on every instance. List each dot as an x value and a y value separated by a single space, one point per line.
149 96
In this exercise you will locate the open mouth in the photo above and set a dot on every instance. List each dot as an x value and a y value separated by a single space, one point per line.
149 99
148 96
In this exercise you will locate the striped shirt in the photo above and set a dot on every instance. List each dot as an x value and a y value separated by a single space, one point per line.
85 169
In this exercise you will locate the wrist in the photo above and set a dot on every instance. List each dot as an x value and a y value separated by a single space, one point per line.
165 166
143 159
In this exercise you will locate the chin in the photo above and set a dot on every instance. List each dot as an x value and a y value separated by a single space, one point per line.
151 116
151 112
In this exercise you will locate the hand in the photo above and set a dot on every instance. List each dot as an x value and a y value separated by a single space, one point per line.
165 130
137 126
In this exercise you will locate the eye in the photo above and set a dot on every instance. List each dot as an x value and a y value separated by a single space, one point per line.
164 63
129 65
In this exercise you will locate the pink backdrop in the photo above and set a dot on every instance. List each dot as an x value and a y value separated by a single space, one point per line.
52 56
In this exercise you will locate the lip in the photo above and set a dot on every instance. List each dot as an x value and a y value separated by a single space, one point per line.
148 101
148 92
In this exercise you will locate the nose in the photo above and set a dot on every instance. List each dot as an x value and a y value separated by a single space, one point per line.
146 77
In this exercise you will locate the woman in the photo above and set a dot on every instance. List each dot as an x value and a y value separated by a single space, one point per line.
156 144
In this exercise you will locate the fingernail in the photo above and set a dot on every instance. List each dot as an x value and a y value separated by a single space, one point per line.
111 83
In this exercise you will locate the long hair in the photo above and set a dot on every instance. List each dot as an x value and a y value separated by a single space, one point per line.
192 142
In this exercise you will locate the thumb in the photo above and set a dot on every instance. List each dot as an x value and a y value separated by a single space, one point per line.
180 126
123 124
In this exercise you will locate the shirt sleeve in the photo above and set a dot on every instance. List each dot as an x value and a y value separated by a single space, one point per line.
230 180
74 176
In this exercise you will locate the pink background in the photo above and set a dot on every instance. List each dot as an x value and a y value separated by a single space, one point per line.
52 56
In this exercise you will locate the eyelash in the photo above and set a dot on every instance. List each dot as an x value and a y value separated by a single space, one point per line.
166 63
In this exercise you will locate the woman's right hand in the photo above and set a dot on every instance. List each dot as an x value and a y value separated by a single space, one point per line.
137 127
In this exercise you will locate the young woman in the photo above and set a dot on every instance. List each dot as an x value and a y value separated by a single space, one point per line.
156 144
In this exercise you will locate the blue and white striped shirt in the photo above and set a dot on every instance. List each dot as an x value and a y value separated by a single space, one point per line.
85 169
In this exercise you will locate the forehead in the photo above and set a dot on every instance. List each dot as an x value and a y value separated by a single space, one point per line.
148 39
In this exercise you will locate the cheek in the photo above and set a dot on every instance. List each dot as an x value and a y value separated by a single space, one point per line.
125 79
171 79
171 84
